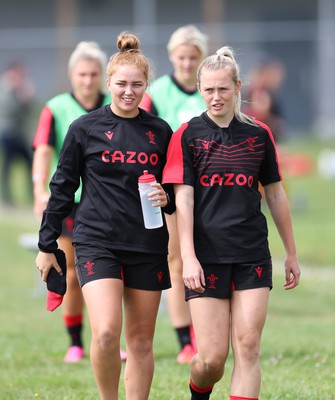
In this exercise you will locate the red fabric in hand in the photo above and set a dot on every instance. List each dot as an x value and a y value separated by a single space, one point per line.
56 284
54 300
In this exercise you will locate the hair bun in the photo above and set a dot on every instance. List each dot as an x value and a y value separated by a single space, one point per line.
128 42
226 51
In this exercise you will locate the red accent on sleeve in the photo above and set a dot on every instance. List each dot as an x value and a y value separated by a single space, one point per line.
44 127
146 102
273 142
174 167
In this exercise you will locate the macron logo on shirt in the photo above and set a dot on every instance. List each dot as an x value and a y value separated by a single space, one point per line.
109 134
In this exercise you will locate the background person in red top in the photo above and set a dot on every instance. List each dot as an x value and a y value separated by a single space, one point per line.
86 71
263 100
216 162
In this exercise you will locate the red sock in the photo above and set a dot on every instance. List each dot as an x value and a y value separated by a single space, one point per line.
72 320
200 393
74 327
243 398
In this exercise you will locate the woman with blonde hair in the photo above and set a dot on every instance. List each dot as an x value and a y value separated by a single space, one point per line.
216 162
175 98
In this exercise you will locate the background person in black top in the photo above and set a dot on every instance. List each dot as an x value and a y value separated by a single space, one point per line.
117 259
17 97
216 162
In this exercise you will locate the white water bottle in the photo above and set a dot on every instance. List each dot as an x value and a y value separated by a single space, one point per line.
152 215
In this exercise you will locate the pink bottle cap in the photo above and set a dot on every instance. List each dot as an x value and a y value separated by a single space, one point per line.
146 177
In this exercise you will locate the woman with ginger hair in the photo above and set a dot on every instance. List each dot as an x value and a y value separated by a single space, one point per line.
121 265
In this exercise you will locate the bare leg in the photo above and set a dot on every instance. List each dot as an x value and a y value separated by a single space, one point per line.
211 319
249 309
178 308
73 304
73 301
141 308
103 299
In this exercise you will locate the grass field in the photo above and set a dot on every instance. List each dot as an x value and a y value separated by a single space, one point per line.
298 351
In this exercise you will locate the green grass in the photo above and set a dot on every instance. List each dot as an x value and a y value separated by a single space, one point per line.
298 349
313 211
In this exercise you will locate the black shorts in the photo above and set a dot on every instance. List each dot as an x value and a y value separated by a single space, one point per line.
223 279
137 270
68 222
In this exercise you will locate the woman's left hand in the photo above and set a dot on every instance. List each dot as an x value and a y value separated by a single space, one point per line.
159 196
44 262
292 272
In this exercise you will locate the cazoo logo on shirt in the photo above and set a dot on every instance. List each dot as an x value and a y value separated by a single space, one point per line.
229 179
129 157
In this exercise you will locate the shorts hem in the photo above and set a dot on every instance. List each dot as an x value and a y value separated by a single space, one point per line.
259 286
212 295
149 289
82 282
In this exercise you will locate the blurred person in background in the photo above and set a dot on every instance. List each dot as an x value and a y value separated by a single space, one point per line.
262 95
86 70
118 261
215 162
16 100
176 99
263 102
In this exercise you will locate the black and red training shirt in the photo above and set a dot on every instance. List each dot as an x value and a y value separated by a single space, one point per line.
108 153
225 166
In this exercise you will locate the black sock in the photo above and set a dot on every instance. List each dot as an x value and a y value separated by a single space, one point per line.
200 393
184 336
75 335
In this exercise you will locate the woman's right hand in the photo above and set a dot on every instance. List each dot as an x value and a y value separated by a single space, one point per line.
193 275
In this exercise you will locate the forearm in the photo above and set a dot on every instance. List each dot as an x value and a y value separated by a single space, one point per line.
185 222
280 212
193 274
41 168
279 208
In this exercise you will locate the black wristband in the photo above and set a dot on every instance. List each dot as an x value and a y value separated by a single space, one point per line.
167 198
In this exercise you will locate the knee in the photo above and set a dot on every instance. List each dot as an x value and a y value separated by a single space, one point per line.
248 348
140 344
212 366
106 339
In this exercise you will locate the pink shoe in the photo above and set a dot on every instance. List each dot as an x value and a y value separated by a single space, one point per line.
123 355
74 354
186 354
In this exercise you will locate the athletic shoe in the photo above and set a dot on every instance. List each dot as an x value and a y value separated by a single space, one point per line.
186 354
74 354
123 355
